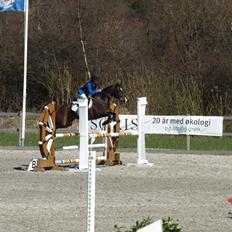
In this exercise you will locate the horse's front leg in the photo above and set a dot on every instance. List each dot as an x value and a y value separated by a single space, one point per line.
111 118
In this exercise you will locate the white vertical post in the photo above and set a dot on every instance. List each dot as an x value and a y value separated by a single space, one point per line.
91 191
20 128
188 140
22 138
84 133
141 108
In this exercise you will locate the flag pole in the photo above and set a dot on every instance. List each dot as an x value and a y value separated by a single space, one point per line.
26 2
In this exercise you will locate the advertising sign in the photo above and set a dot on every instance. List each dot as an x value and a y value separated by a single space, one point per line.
170 125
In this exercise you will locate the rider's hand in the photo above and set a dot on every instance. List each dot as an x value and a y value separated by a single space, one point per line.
99 90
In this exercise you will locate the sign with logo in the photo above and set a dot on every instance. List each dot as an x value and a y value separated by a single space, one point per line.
170 125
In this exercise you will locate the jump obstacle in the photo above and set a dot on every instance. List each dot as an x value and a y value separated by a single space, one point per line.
47 135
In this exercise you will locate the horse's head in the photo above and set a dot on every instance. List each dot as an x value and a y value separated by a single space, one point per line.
119 93
115 91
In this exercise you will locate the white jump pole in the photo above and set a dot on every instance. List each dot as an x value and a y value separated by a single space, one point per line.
90 225
83 131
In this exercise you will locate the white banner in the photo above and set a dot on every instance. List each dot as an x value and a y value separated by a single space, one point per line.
170 125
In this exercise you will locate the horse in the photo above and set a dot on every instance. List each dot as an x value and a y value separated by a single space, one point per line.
101 107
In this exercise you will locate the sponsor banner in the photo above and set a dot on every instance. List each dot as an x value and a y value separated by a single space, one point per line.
186 125
127 122
170 125
96 125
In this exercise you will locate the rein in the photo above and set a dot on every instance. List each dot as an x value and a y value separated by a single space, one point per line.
116 95
107 95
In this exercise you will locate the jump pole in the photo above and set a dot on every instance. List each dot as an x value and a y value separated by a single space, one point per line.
90 224
141 153
84 133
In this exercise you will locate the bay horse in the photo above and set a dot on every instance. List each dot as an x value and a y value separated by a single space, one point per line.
102 102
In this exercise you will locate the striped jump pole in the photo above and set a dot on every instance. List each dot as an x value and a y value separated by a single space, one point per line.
99 134
67 161
65 135
71 147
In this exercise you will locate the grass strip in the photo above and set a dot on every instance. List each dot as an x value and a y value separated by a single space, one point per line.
152 141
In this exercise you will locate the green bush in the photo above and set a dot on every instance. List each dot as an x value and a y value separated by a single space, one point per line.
168 225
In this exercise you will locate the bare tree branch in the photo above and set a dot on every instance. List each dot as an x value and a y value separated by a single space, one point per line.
82 42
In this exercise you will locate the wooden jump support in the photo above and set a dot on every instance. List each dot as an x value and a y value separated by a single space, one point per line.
46 141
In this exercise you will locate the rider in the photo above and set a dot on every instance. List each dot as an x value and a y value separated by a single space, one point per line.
89 89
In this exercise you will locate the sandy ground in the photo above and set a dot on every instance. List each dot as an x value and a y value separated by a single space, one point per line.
190 188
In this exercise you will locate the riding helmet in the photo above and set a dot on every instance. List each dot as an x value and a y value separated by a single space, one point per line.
95 77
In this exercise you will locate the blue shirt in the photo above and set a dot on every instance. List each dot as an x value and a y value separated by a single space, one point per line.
90 88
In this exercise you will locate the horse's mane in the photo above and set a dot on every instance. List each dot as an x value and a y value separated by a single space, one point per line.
108 91
110 87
